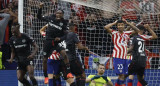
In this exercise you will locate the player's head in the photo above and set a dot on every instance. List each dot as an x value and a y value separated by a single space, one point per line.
72 27
120 25
101 69
15 29
59 14
141 28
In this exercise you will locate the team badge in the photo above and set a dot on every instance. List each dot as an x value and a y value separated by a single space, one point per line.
23 40
14 42
61 24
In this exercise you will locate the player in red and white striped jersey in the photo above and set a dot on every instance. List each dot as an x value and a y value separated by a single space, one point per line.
53 65
120 39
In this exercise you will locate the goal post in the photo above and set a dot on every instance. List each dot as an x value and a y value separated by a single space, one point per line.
90 17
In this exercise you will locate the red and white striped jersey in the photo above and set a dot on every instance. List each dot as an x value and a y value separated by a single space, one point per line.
55 55
120 44
146 37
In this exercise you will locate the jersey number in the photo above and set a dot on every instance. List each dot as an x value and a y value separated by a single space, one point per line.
141 46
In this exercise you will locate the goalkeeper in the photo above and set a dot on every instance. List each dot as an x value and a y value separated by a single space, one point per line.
99 79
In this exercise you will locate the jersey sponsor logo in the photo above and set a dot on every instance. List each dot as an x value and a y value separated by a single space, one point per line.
20 46
61 24
31 62
56 26
23 40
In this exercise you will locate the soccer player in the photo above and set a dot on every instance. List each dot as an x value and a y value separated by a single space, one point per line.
53 64
72 41
99 79
120 40
137 48
55 34
142 29
20 48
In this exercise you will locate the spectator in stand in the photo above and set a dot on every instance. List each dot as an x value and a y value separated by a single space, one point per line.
129 9
3 23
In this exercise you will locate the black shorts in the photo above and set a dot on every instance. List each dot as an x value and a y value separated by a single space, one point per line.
23 65
49 46
134 68
76 67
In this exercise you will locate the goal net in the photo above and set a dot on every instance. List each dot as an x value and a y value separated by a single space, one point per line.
90 17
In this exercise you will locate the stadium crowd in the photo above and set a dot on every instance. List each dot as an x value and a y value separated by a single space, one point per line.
89 22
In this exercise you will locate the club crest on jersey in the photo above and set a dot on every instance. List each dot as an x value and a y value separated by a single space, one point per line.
14 42
23 40
61 24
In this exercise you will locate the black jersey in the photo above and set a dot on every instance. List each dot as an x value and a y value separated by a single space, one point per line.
56 28
71 40
21 46
138 53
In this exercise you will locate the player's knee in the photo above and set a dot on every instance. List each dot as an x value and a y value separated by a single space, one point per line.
121 76
20 78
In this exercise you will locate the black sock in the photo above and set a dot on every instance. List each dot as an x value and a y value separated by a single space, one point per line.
54 82
80 81
34 82
143 82
73 84
45 74
25 82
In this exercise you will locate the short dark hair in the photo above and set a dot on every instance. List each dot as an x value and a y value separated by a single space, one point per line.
141 27
120 21
101 65
60 10
71 25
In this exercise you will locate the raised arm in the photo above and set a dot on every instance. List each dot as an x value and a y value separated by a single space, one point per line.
42 30
108 27
136 30
154 36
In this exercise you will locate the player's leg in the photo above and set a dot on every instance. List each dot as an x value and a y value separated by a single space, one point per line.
53 69
20 76
46 52
119 69
66 76
131 77
80 73
140 76
30 70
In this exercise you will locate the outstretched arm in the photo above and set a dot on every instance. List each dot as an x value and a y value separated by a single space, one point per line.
136 30
80 46
108 27
154 36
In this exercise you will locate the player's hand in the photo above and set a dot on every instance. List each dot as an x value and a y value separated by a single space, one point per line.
10 61
125 21
146 26
95 77
30 57
57 39
115 22
41 5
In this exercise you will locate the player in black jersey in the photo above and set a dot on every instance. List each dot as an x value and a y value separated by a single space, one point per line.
20 48
72 41
55 34
137 49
